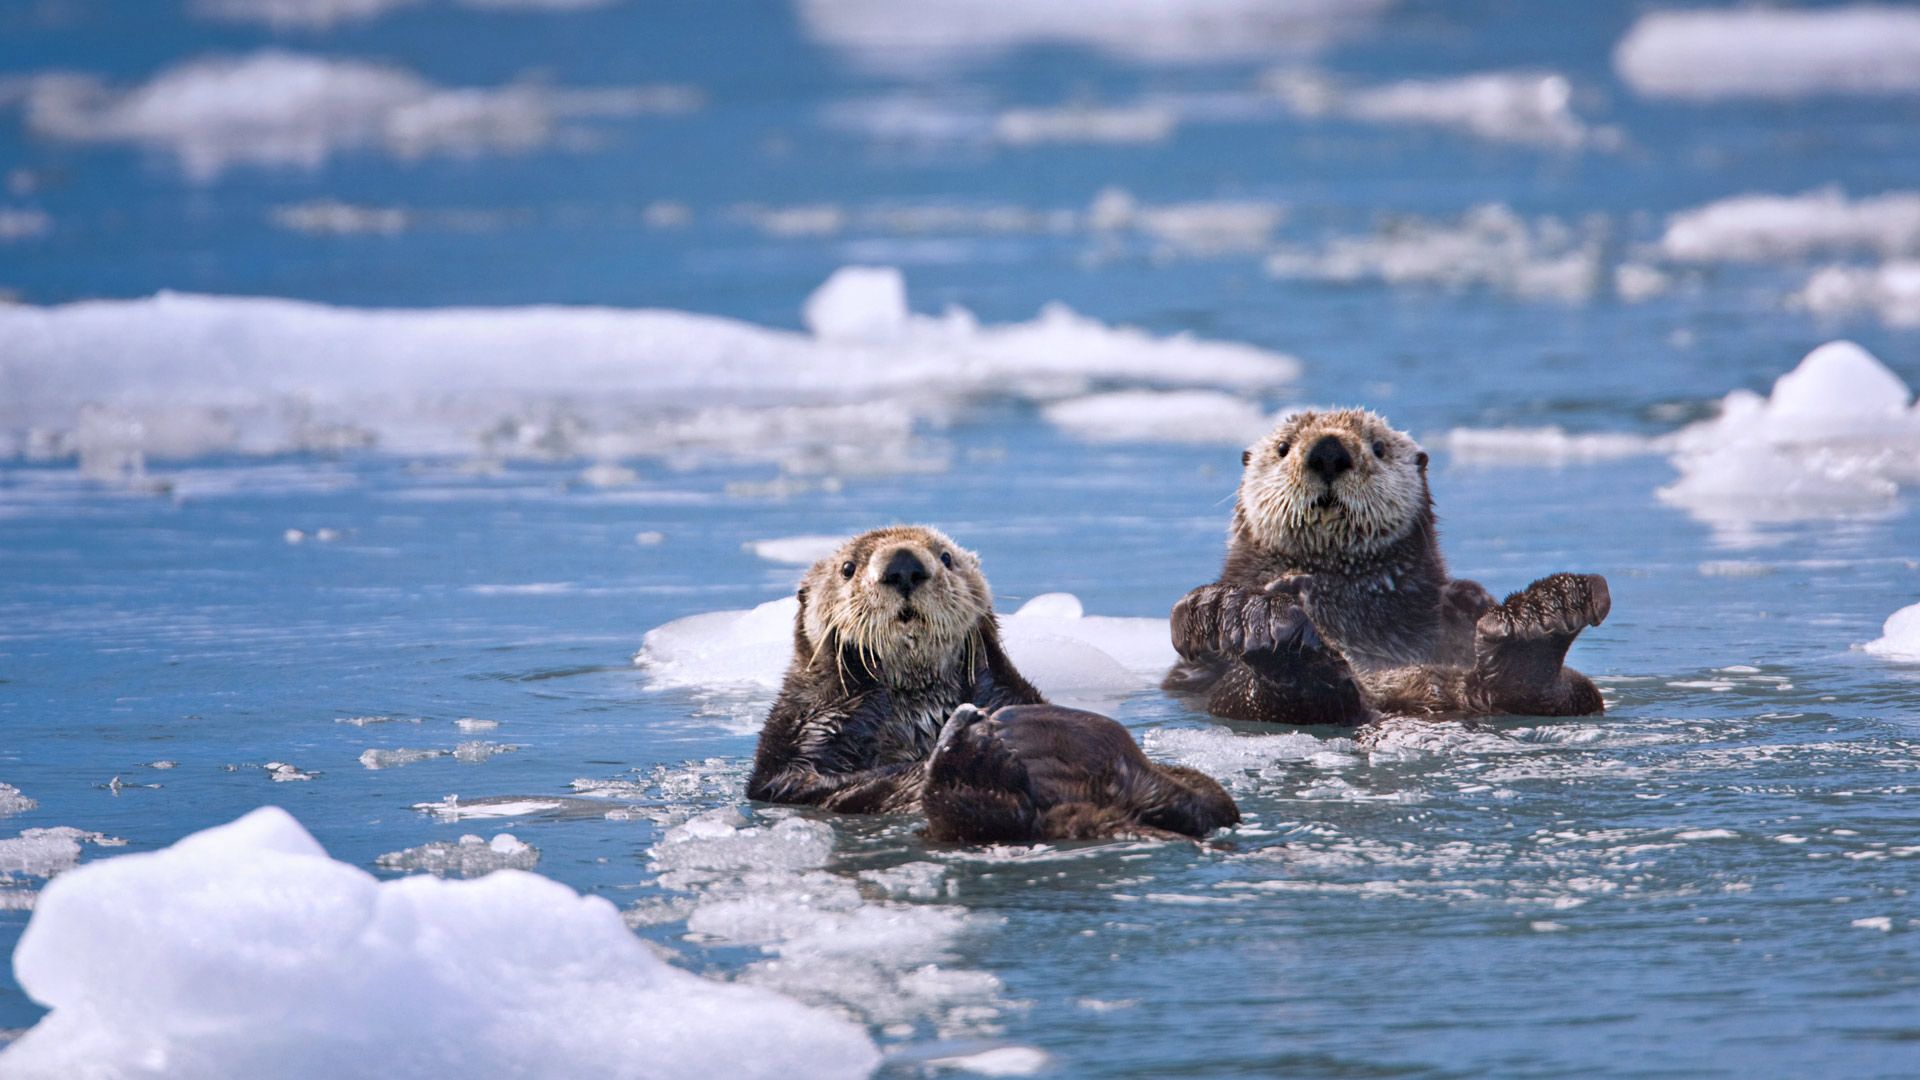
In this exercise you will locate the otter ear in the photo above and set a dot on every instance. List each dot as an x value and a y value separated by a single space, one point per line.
1246 458
1421 460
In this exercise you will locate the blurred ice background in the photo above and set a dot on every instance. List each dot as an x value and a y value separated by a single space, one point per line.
415 413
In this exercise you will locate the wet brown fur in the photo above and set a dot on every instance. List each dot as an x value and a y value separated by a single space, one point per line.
1334 603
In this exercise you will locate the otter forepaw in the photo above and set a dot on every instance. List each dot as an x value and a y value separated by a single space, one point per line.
960 720
1556 607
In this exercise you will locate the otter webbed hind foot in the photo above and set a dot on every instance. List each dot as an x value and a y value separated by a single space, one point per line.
1520 647
1040 772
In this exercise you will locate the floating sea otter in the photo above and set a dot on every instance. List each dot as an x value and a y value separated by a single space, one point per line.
1334 605
896 648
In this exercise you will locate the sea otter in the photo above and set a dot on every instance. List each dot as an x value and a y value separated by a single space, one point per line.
1334 604
896 646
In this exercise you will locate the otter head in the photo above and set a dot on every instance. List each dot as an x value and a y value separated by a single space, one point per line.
904 602
1332 484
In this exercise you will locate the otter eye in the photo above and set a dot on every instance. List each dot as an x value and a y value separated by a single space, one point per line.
1284 447
946 559
1379 449
846 568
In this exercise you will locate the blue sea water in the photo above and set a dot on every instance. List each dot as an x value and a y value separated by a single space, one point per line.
1687 887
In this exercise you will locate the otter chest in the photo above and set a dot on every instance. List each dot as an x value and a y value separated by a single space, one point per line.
908 732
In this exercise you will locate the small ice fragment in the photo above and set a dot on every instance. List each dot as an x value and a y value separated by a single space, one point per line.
388 759
1544 926
795 550
469 723
866 304
470 856
1705 834
294 536
1000 1061
1161 416
13 802
1882 923
608 475
162 764
281 772
472 753
649 538
914 880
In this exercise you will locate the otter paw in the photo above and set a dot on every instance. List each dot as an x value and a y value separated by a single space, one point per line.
1556 607
962 718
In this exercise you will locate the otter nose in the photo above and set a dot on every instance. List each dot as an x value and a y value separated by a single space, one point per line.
904 572
1329 458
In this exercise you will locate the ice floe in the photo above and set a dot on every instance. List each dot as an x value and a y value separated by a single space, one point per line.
374 758
115 383
1900 638
45 852
1506 106
766 886
1545 445
795 550
326 14
13 802
1491 247
1074 658
1776 53
244 951
1889 292
922 37
278 108
1169 416
1837 434
469 856
1757 228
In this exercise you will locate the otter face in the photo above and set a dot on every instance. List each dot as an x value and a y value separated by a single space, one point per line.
906 599
1333 483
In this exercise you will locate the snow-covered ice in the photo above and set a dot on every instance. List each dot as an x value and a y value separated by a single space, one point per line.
1889 292
1769 52
292 109
1900 638
1074 658
1838 434
1175 416
117 382
1507 106
795 550
470 856
244 951
1755 227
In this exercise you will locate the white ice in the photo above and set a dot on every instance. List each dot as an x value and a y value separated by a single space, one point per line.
279 108
1491 247
117 382
1838 434
796 550
1074 658
1889 292
1757 228
244 951
325 14
1772 53
1161 416
1506 106
470 856
1900 638
1544 445
1085 123
374 758
46 852
917 38
13 802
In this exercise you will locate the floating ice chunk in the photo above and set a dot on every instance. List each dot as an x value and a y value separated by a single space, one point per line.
1755 52
795 550
477 751
282 772
325 14
288 109
393 759
720 841
1900 638
321 969
1072 656
23 224
1544 446
1509 106
919 37
470 856
1233 758
331 217
1890 291
453 808
1882 923
117 382
1837 435
1082 123
1491 247
1760 227
46 852
1174 416
861 304
999 1061
12 802
915 880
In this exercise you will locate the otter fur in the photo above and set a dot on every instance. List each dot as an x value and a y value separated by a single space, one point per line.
1334 604
1041 772
895 631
